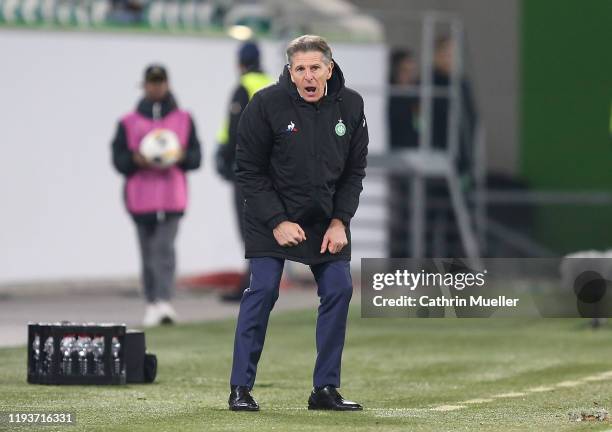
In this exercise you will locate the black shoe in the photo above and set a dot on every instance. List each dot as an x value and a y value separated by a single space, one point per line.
240 399
328 398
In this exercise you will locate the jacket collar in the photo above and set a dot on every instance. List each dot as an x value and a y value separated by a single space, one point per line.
159 109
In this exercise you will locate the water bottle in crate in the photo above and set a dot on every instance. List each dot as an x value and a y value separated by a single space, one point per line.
68 353
76 353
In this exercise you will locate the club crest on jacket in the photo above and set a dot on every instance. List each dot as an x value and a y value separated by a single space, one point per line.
340 128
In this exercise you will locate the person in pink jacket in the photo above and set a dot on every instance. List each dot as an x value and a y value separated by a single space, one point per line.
156 198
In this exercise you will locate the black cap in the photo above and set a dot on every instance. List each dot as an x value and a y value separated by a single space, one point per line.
248 54
155 73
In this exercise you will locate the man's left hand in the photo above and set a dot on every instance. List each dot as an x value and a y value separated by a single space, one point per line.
334 239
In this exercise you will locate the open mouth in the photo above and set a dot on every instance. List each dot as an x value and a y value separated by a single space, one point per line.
310 90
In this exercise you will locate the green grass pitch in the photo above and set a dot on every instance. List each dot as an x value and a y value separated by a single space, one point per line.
398 368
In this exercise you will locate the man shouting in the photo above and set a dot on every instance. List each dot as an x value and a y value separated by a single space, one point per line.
301 158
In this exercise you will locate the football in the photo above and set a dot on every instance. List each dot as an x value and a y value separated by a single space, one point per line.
160 147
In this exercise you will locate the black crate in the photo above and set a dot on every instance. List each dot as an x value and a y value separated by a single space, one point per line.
50 366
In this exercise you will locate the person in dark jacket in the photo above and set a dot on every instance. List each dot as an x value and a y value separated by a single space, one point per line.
402 108
402 114
252 79
156 197
443 64
437 190
301 158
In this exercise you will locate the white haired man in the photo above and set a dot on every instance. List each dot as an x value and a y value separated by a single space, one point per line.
301 157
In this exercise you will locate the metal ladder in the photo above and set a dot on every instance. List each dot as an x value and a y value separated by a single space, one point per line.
425 163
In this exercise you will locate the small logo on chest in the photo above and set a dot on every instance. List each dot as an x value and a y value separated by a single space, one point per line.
340 128
291 128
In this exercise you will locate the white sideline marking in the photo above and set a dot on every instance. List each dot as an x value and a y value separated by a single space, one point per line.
563 384
406 412
396 412
592 378
477 401
448 407
569 384
540 389
509 395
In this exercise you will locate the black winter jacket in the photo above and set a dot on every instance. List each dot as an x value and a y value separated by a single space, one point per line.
301 162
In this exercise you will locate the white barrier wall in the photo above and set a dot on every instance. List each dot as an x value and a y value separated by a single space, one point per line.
61 96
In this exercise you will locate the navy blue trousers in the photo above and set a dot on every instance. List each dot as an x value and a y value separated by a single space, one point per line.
335 289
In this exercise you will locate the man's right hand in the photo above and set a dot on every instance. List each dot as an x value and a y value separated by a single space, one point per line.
289 234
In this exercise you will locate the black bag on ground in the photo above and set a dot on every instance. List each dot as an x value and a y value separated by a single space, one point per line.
140 366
